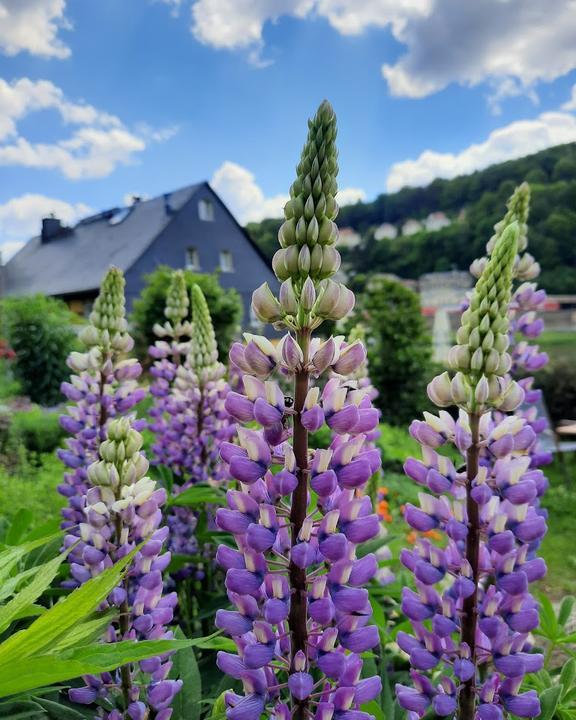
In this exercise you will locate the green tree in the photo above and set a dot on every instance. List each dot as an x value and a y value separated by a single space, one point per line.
399 349
225 308
39 330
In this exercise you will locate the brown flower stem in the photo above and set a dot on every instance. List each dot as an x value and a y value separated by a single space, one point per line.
297 620
467 696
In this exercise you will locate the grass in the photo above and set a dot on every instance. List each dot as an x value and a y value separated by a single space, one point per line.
561 346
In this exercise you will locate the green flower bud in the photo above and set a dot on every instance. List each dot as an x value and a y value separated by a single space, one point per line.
308 295
177 302
203 355
287 296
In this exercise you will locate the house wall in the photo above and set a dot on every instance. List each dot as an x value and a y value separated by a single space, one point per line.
209 238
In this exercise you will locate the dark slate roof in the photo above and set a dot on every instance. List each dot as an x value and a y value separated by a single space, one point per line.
76 262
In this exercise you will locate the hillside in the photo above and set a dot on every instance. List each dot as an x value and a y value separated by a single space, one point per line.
473 203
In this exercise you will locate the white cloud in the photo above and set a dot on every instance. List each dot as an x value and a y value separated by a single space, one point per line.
20 219
32 26
570 105
524 41
239 23
506 143
238 188
98 143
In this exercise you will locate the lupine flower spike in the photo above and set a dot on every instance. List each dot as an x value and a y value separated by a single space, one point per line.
191 421
301 611
472 592
123 508
103 386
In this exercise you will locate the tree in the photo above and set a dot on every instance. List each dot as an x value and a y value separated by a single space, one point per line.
225 308
399 350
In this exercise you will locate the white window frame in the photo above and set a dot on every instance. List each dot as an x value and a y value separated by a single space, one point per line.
192 258
206 210
226 261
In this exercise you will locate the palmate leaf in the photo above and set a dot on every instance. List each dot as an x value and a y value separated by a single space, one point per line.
186 705
27 595
63 616
90 630
32 672
198 495
11 556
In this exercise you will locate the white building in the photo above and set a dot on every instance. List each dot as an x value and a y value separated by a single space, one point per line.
386 230
349 238
411 226
436 221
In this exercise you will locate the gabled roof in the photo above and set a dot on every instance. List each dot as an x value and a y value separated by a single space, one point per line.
77 261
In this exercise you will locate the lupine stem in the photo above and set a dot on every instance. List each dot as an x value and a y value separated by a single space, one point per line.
124 623
467 699
299 592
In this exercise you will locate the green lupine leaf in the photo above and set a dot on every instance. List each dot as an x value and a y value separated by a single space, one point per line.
89 630
549 701
186 704
374 709
566 608
42 579
198 495
11 556
64 615
549 627
31 672
568 676
219 708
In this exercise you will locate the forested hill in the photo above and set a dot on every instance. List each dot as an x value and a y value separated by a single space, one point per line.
473 203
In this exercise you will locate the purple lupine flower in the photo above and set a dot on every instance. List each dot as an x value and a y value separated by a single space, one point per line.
482 613
103 386
123 509
190 419
301 612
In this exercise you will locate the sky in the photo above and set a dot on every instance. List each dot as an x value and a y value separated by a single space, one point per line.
101 100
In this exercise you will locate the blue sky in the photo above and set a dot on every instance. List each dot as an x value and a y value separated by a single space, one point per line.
103 99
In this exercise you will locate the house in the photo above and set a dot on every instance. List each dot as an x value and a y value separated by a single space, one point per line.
348 238
411 226
189 228
386 231
436 221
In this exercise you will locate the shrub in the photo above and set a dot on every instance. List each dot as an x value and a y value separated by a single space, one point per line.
225 308
558 384
399 350
38 431
39 332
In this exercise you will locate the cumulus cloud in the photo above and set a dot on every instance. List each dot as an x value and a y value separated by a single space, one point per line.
20 219
98 143
33 26
239 23
238 188
570 105
526 41
506 143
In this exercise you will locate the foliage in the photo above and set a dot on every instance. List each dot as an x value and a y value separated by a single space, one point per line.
37 430
558 384
552 173
399 351
225 308
9 386
59 643
39 331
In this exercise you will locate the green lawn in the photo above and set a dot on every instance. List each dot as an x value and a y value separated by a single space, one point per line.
561 346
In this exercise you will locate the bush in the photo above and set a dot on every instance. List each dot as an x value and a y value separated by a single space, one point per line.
225 308
39 331
558 383
399 350
36 430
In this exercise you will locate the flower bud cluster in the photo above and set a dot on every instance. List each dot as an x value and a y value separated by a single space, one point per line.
103 386
300 612
307 258
189 418
507 492
123 509
480 358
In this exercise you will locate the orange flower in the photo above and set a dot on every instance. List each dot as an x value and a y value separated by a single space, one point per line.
412 537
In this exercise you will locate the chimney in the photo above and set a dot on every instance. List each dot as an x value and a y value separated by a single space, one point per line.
51 228
167 207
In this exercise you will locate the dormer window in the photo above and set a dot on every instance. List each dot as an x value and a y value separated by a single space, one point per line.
206 210
192 259
226 262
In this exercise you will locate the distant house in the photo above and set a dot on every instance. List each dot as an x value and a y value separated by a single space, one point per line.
386 231
411 226
436 221
189 228
348 238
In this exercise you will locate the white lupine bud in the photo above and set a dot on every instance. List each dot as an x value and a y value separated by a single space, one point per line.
459 389
308 295
288 299
482 390
439 390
